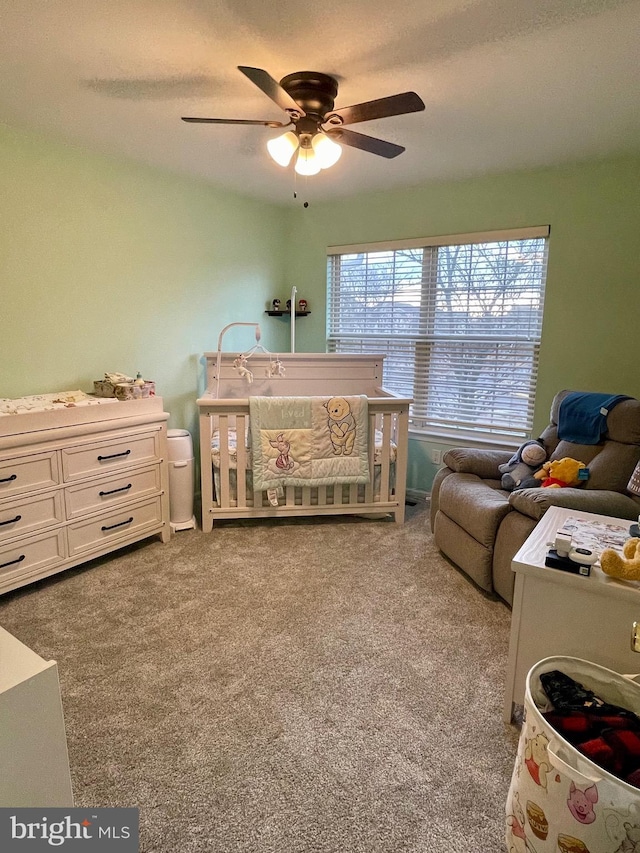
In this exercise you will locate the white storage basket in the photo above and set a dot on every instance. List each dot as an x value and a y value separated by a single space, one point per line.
560 801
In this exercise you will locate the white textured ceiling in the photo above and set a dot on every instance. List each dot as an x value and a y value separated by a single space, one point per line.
506 83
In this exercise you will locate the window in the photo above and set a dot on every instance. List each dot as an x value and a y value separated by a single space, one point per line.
459 320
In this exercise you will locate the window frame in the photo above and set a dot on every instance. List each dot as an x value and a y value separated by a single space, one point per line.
427 339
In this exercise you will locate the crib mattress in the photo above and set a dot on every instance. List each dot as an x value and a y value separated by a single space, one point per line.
233 449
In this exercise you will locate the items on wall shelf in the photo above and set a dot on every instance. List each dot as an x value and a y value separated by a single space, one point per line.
291 310
278 310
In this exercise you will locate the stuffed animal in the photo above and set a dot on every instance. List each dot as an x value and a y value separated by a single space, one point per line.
560 473
527 458
627 567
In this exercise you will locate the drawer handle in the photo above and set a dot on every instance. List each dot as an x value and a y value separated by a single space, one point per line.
113 456
11 520
112 526
113 491
9 479
12 562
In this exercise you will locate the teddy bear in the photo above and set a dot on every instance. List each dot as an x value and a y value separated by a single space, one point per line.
627 567
560 473
342 425
527 458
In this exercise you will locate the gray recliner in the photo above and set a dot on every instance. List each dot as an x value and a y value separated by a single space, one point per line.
479 526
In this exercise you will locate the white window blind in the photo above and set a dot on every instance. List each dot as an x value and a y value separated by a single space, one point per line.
459 320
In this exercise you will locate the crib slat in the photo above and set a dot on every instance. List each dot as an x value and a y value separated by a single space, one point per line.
385 457
206 470
322 495
224 461
241 463
290 495
306 496
402 454
369 488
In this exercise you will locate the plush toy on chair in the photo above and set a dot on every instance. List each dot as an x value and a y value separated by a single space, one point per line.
628 567
560 473
527 458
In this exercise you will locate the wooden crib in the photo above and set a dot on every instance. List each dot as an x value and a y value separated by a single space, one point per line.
224 420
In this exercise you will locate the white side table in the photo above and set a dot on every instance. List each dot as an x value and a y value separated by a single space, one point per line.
33 744
559 613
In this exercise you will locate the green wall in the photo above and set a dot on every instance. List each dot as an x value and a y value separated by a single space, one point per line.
109 265
106 265
590 337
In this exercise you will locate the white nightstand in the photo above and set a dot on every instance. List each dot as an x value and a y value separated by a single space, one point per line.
558 613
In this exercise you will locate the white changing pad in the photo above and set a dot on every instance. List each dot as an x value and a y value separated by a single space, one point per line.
233 449
48 402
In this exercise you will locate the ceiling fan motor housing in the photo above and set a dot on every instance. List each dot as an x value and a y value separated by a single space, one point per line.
315 92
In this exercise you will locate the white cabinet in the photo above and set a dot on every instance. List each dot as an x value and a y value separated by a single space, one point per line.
78 483
33 745
558 613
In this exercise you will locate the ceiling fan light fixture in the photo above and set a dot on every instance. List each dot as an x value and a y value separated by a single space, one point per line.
308 99
327 151
307 162
283 147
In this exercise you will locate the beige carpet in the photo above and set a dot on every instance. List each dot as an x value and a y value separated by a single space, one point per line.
283 687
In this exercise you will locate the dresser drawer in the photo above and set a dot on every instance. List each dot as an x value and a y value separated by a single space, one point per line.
83 461
44 550
28 515
96 533
99 494
28 473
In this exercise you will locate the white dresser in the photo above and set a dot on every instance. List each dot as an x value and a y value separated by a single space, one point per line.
79 482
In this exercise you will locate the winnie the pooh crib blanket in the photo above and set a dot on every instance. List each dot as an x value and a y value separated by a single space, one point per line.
308 441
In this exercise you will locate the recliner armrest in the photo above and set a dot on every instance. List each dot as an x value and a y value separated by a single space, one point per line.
471 460
535 502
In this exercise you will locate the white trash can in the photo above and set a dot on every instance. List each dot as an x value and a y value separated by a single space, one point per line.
181 481
559 799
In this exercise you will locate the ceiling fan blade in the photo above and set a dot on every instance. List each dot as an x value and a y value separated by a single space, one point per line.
197 120
271 88
365 143
394 105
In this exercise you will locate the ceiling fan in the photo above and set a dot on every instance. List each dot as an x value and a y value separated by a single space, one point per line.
308 99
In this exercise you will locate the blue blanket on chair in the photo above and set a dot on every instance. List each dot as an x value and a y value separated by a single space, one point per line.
582 416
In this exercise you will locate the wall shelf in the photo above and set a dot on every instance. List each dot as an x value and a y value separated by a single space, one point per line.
287 313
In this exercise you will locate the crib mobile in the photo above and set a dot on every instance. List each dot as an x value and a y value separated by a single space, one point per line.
275 368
